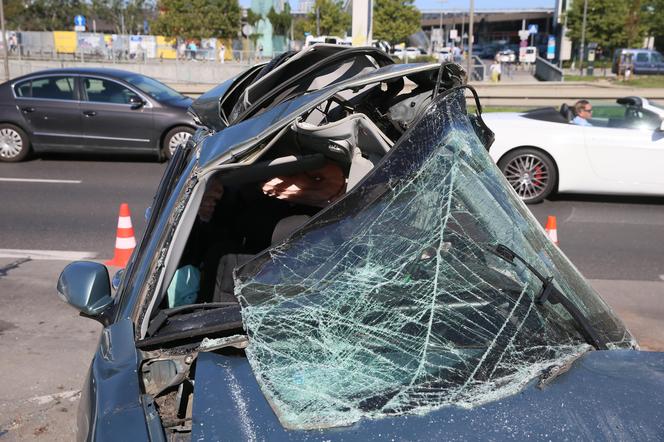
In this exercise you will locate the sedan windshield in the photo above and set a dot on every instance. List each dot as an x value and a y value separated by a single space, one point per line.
157 90
390 301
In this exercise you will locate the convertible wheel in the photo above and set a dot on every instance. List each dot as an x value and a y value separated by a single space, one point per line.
531 173
174 138
14 144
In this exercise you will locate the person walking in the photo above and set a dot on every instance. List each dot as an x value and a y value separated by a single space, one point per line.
495 71
222 53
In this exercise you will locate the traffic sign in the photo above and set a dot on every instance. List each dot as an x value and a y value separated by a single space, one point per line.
551 48
532 29
524 34
79 23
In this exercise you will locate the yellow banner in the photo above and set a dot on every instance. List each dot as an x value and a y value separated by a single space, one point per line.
166 48
65 41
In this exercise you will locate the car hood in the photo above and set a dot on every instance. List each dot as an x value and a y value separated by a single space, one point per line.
182 103
613 395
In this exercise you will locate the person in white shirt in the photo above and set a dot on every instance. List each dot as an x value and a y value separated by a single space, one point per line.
583 111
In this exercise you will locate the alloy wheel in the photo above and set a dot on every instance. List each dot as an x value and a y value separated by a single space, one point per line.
11 143
177 139
528 175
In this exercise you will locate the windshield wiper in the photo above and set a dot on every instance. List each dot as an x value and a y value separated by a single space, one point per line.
554 296
190 321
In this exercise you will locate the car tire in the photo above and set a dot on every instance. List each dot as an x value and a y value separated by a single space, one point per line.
14 143
173 138
531 173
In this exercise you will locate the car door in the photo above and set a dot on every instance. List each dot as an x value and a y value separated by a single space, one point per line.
50 105
628 153
111 121
642 63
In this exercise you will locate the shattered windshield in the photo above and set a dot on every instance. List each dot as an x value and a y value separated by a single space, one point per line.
389 302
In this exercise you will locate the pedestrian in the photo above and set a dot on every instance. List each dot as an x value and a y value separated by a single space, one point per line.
260 52
495 71
182 50
583 111
222 53
192 50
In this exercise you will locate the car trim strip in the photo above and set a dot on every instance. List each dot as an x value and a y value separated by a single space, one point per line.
49 134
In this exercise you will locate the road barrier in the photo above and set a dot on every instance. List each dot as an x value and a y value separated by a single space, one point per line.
545 71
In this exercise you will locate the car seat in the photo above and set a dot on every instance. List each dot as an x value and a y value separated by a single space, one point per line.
566 112
224 283
354 141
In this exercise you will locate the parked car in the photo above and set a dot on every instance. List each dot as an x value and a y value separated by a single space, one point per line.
506 56
421 302
541 152
641 61
91 110
409 53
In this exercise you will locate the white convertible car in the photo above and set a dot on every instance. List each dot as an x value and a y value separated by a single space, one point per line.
541 152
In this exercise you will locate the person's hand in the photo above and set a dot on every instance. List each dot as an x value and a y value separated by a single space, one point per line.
316 188
213 193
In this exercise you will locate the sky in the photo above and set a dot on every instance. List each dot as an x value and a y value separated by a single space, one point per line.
463 4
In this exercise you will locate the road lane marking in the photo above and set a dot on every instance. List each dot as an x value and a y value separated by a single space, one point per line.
40 180
61 255
72 395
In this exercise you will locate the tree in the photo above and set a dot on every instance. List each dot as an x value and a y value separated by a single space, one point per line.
197 18
46 15
395 20
610 23
653 18
333 20
124 15
281 21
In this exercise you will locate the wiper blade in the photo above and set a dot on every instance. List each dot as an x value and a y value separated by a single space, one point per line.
554 296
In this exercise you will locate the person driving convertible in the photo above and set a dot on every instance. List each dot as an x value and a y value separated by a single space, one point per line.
583 111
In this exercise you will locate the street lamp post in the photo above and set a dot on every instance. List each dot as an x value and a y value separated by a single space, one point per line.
470 38
442 34
583 36
5 43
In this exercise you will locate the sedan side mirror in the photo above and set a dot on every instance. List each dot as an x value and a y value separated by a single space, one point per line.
136 102
85 286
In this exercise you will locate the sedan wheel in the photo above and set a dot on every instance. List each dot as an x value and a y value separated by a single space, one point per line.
531 173
14 144
175 138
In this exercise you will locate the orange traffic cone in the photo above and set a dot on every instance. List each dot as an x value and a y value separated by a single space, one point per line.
124 240
551 229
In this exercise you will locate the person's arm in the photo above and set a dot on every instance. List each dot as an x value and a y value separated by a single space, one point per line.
317 188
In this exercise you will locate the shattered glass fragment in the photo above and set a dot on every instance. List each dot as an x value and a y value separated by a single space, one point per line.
389 303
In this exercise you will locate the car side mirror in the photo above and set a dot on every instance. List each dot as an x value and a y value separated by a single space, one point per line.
136 102
85 286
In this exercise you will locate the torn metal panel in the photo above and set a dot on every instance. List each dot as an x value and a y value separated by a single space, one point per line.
389 303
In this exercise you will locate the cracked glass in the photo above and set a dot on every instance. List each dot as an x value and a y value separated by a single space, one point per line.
389 301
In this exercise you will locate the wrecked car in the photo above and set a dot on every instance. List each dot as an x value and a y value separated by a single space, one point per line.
417 300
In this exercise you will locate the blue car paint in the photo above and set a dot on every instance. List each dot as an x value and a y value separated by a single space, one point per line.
594 400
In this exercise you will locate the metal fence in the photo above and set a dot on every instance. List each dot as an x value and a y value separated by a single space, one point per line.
545 71
96 47
478 70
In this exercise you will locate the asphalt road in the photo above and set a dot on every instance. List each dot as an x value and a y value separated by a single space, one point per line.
78 210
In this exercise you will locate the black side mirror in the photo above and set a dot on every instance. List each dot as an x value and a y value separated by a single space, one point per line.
136 102
85 286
